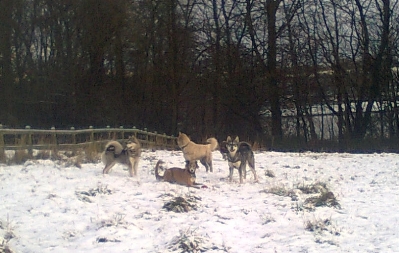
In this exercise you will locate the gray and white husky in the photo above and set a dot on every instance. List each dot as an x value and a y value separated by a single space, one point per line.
128 154
238 155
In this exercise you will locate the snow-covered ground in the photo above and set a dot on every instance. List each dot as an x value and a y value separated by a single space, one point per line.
46 206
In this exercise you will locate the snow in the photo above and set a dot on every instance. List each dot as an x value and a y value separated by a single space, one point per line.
45 207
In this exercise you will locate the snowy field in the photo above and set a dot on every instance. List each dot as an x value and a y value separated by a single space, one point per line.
304 202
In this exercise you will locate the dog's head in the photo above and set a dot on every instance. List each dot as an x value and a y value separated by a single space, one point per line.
160 164
191 166
132 143
232 145
182 140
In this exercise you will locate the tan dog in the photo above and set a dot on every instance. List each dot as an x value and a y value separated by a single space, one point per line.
129 155
193 152
179 176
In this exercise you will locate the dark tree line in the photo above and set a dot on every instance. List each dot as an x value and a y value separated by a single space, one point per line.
266 70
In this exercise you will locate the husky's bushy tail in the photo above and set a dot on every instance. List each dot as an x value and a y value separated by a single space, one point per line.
213 143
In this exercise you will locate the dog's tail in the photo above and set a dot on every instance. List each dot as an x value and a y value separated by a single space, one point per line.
213 143
251 160
113 148
157 176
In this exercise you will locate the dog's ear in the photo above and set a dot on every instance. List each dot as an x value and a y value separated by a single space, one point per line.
228 139
237 139
134 138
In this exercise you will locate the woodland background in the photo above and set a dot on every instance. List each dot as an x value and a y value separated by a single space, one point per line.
288 74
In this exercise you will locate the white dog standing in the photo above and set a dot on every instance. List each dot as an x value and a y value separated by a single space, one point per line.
115 153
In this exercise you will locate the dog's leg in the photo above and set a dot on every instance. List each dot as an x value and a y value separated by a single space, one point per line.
244 169
191 182
204 162
210 166
108 167
132 167
136 166
208 160
240 171
231 173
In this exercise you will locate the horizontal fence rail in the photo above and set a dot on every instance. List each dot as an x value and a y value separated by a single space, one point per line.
16 139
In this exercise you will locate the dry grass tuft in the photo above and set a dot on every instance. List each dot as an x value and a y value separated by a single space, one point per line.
85 195
187 241
117 220
316 187
190 242
322 196
181 205
277 190
6 234
270 173
105 239
323 199
268 219
319 226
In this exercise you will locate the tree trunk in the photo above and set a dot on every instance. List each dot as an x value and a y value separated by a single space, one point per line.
271 9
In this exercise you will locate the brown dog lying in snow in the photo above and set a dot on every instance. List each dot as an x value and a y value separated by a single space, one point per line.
180 176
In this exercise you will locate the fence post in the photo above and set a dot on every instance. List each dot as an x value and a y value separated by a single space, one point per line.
73 136
147 138
29 141
155 139
122 133
91 134
109 132
53 138
164 140
172 142
2 144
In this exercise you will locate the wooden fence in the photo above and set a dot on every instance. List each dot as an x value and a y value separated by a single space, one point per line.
16 139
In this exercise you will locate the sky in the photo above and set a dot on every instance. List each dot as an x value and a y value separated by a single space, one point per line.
54 206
